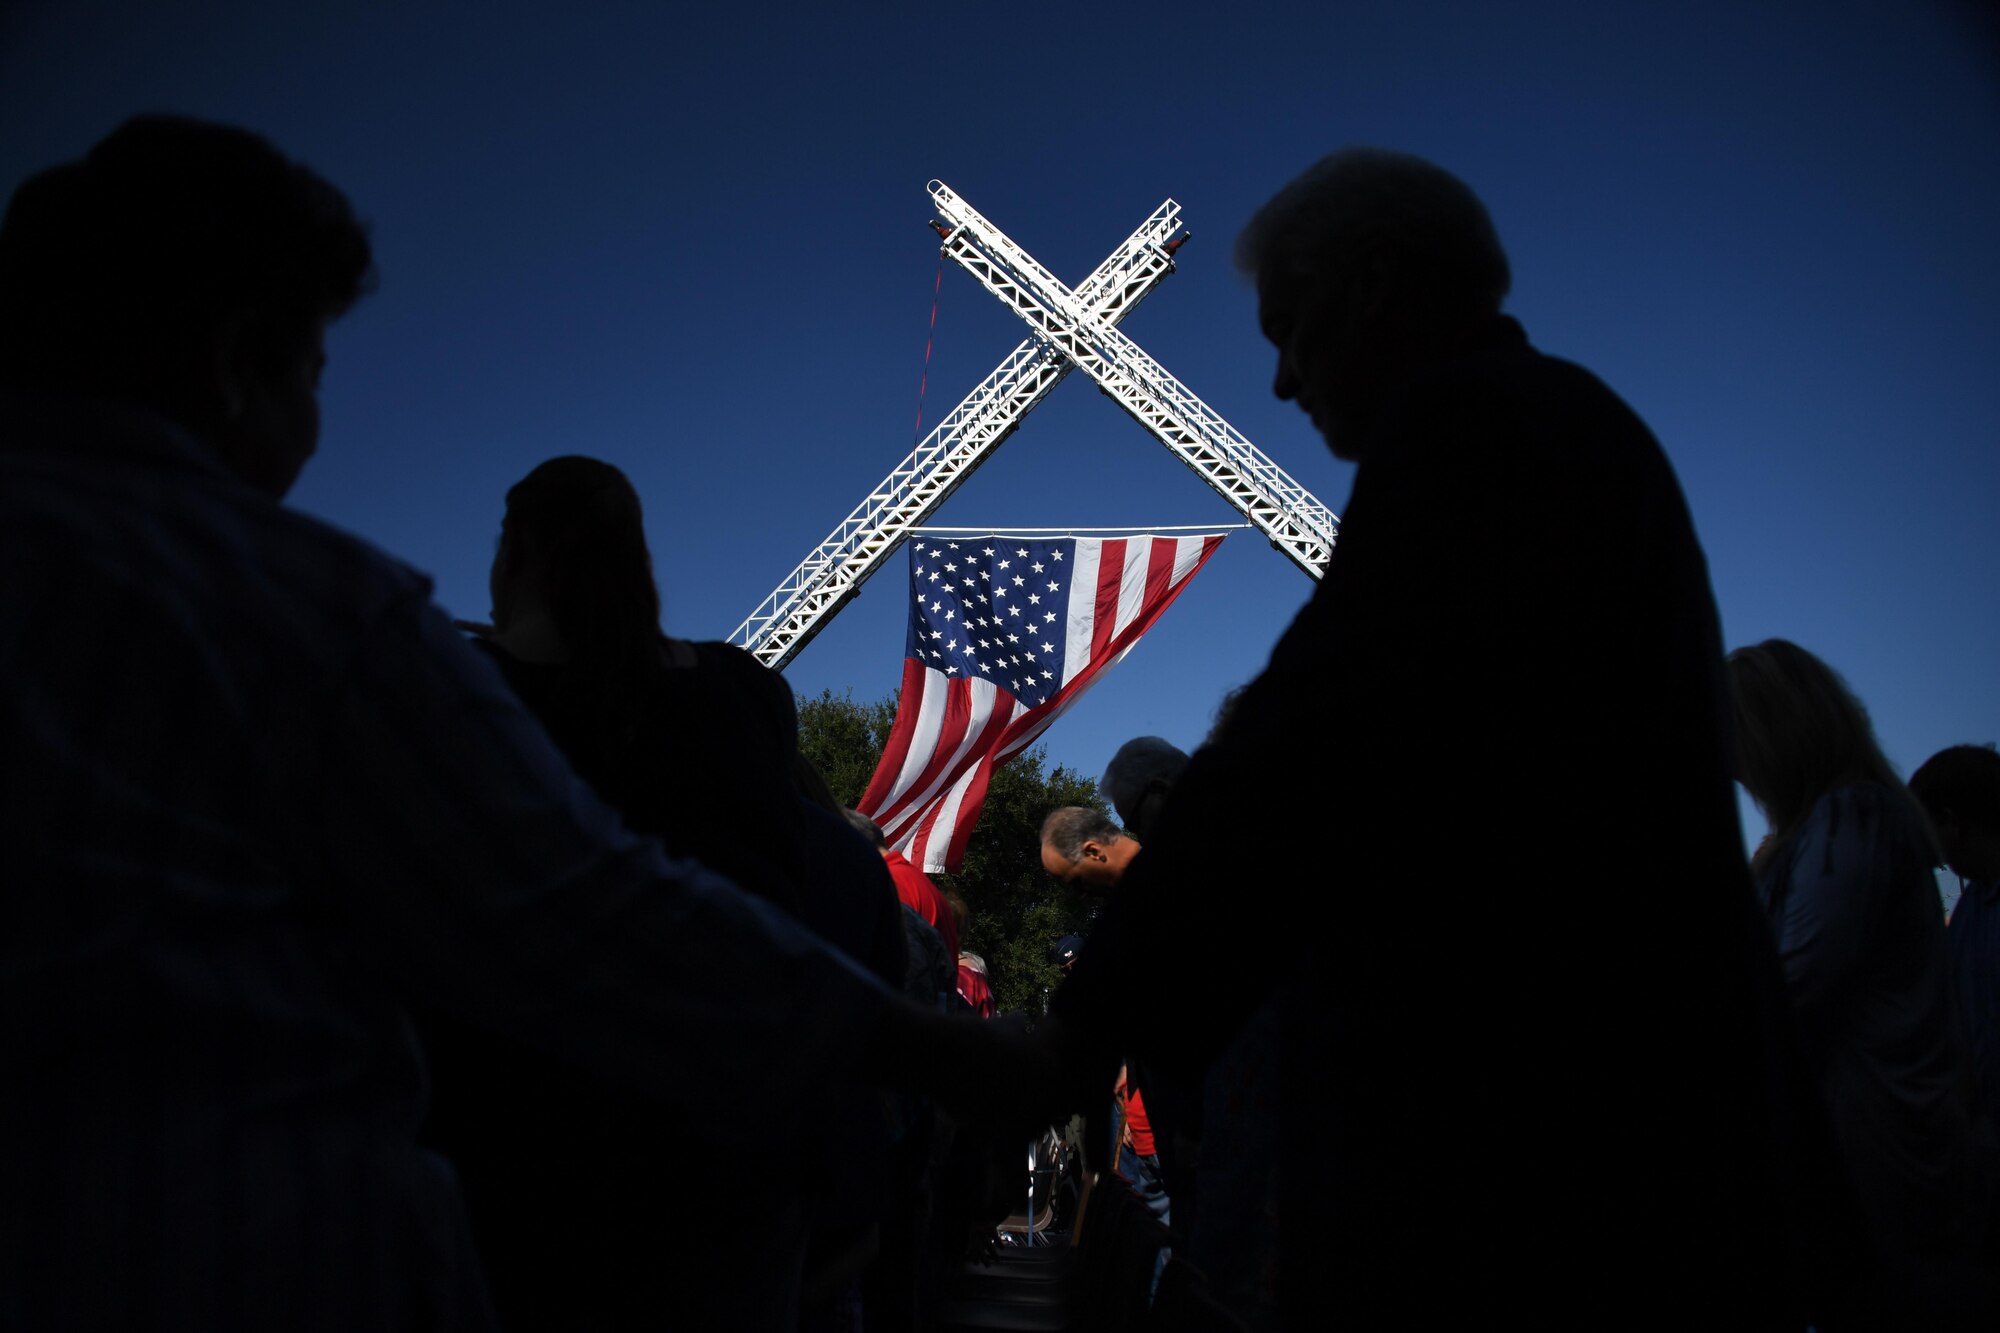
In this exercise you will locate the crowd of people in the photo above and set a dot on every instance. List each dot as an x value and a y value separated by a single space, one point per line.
360 972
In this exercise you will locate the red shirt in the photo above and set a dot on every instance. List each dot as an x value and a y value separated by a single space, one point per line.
1137 1127
972 988
917 892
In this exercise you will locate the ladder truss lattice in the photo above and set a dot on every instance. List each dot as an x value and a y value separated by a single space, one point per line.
1069 330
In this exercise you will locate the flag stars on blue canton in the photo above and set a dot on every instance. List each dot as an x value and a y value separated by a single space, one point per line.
981 591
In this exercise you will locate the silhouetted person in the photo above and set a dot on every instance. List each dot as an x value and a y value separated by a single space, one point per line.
1524 1064
851 901
255 793
693 742
1845 879
572 1182
1960 790
1217 1137
1081 847
1139 777
974 986
915 890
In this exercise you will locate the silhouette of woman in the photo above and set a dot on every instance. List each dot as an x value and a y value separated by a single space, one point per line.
1845 881
594 1207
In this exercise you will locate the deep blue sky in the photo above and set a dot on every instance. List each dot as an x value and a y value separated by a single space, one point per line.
691 240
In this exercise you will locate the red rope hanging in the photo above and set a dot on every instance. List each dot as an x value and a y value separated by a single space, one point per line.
929 337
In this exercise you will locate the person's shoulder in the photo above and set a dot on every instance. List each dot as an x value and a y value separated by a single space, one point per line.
350 558
1858 798
1868 813
542 685
1574 395
725 655
98 469
1500 415
729 661
907 872
765 690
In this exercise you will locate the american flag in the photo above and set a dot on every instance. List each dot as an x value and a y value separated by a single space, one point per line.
1005 633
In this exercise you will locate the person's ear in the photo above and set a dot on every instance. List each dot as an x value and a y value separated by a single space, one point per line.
1093 851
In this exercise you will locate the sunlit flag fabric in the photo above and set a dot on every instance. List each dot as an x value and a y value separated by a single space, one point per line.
1005 633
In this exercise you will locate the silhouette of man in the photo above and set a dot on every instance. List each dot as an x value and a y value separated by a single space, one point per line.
1960 790
913 887
255 792
1083 848
1524 1064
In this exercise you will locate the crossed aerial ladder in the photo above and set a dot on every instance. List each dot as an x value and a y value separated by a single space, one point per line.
1068 330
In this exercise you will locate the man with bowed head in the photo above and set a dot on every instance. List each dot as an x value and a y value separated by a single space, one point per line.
1960 790
1524 1065
256 794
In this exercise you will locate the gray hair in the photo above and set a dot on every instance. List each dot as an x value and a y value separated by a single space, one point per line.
1224 711
1362 202
1071 826
866 827
1140 763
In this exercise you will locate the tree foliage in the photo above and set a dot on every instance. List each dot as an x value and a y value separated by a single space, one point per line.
1017 911
844 740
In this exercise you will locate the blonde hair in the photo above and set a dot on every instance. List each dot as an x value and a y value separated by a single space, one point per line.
1801 733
